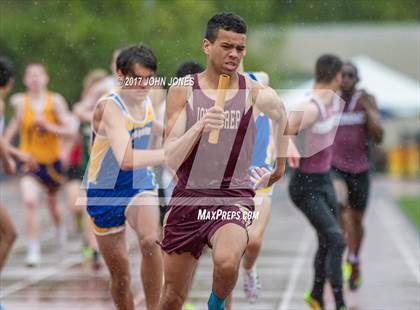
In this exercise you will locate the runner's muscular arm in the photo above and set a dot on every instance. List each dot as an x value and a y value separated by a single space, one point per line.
268 102
302 117
178 142
373 120
111 121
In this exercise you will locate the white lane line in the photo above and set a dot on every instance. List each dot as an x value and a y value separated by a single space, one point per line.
302 254
49 272
388 221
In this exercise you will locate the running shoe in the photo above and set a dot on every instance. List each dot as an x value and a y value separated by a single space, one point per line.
351 276
188 306
33 256
252 284
355 279
92 257
87 252
346 268
312 302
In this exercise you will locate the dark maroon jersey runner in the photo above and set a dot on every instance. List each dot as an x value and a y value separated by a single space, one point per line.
222 169
350 150
214 178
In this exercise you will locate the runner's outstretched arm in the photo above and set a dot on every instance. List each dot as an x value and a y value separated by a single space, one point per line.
268 102
111 122
303 117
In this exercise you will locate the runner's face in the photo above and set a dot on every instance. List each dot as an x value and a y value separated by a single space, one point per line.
349 78
35 78
137 81
226 52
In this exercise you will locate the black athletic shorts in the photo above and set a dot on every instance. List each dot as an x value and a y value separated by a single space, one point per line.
358 185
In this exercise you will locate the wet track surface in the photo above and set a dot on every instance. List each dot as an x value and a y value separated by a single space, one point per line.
390 262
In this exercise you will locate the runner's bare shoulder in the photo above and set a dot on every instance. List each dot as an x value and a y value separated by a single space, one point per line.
255 87
103 105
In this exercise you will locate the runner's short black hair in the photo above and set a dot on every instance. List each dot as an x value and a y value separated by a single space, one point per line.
225 21
137 54
327 67
189 67
7 71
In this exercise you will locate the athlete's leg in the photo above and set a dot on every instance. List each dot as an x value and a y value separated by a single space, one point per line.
90 245
352 271
320 265
53 207
256 232
143 216
331 245
30 189
178 271
358 193
229 243
251 281
228 302
358 185
60 229
114 250
341 192
356 236
7 236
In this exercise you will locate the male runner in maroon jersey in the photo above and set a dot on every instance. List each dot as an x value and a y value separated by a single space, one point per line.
310 187
360 122
213 179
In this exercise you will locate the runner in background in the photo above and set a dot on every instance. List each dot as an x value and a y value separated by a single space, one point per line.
359 125
121 186
41 117
310 187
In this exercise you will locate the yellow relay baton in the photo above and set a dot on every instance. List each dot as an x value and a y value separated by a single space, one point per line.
220 102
